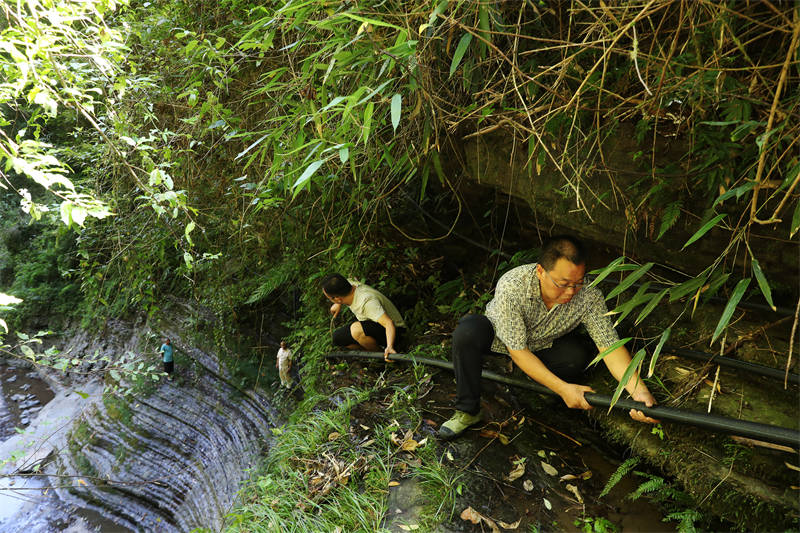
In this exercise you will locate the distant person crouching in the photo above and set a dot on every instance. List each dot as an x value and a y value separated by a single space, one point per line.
378 322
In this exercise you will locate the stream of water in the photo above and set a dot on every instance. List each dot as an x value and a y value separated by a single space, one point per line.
28 502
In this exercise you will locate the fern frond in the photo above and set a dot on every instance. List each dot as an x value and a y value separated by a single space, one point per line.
621 471
651 485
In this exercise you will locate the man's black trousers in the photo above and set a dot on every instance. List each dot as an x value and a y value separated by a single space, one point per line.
567 358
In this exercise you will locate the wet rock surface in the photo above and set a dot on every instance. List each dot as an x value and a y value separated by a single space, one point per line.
171 456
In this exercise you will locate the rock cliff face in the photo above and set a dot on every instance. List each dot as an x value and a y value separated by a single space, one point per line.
619 217
171 458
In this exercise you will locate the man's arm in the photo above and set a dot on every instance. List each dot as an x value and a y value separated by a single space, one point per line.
391 332
571 393
617 362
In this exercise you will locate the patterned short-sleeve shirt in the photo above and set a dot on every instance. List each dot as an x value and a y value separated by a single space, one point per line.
521 320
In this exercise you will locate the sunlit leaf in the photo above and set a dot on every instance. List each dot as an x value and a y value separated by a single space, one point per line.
187 231
630 280
397 102
635 363
305 176
738 292
702 231
664 336
27 351
368 120
605 272
7 299
608 350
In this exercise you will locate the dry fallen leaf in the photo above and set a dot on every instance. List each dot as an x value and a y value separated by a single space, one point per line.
394 483
549 469
791 466
333 436
516 473
527 485
574 490
449 456
567 477
504 525
409 527
471 515
491 434
547 504
430 422
409 446
365 428
475 517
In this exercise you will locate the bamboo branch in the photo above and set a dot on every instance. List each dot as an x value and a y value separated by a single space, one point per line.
763 157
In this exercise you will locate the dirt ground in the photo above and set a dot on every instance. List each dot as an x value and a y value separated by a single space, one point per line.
533 465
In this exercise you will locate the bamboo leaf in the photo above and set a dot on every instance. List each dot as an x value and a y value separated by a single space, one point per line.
608 350
630 280
702 231
635 363
738 292
305 177
638 299
344 154
368 120
461 49
762 282
688 286
610 269
374 22
243 152
795 221
664 336
650 306
397 102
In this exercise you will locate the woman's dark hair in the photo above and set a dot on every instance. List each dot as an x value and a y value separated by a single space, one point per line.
336 285
559 246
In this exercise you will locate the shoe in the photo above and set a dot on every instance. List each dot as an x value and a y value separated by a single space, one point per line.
457 424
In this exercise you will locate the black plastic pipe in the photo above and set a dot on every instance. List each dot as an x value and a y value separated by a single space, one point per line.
733 363
721 424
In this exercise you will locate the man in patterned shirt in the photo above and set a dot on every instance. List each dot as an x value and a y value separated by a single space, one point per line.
533 317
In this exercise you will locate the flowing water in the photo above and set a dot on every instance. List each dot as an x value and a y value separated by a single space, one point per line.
169 459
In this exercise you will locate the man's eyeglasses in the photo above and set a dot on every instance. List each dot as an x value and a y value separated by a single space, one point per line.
576 286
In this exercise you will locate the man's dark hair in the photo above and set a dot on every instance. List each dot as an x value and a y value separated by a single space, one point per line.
559 246
336 285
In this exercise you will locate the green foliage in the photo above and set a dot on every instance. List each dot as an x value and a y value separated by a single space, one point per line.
595 525
622 470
